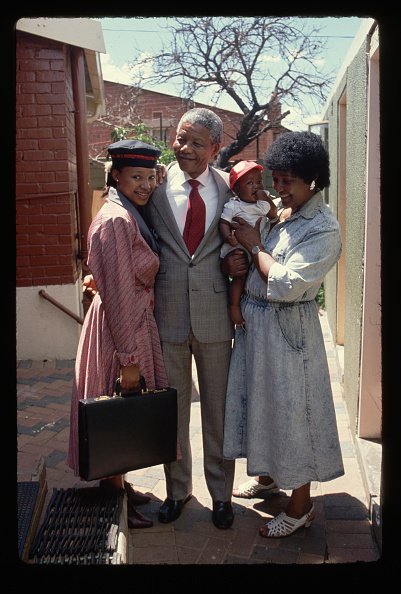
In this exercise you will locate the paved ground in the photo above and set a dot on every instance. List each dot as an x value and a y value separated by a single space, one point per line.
341 533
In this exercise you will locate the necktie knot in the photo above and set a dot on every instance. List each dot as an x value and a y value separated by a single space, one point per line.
194 183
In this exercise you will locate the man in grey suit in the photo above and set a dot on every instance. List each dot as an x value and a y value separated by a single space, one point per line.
191 310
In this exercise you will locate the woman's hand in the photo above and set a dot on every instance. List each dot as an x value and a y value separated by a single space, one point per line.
235 263
129 378
89 285
247 235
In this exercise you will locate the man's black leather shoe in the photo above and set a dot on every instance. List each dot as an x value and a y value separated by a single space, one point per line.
223 515
171 509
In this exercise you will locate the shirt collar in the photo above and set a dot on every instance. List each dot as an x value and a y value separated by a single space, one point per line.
309 209
202 178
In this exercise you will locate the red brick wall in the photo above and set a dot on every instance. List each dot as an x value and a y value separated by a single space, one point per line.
46 184
124 103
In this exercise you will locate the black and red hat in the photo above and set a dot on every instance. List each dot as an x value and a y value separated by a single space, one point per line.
133 153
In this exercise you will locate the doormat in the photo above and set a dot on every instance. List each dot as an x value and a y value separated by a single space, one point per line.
80 528
27 495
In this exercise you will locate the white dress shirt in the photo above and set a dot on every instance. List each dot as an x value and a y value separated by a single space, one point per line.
178 190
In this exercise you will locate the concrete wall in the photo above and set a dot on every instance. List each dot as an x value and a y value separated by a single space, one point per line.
353 290
43 330
355 229
349 103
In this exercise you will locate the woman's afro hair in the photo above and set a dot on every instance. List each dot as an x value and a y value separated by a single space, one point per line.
303 154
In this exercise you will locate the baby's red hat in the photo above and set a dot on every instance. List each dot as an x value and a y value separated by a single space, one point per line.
240 169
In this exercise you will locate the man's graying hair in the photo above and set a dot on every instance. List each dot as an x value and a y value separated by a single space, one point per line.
206 118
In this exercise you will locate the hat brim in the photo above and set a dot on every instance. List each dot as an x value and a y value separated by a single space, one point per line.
245 170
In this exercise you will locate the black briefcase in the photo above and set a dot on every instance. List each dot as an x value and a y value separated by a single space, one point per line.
126 432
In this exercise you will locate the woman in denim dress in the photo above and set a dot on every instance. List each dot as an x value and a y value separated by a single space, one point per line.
279 409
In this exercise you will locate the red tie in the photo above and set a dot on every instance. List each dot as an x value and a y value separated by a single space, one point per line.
194 228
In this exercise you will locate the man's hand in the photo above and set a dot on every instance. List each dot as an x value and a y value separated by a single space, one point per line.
235 264
89 285
161 171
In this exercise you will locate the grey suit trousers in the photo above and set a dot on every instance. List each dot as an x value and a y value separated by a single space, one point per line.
212 362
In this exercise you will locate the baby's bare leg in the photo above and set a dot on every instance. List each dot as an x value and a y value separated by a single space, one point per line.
235 291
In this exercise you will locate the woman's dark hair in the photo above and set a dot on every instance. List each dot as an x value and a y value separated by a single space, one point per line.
302 153
110 181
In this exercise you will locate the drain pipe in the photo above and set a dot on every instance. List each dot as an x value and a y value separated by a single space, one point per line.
82 152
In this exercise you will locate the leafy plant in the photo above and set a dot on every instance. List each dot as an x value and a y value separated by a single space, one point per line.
140 132
320 297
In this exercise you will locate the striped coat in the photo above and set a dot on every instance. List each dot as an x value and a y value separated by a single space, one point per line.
119 327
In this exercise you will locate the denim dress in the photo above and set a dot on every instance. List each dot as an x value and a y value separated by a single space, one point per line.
279 408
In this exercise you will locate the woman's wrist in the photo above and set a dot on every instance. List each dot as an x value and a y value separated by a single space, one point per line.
256 249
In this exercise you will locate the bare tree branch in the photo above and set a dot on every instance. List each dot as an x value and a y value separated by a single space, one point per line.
257 61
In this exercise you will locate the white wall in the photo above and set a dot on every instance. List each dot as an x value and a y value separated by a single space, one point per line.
43 330
370 396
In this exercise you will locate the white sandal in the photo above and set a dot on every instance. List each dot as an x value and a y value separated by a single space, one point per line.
252 489
283 525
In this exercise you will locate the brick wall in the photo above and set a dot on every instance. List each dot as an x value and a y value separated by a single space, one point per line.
46 181
124 103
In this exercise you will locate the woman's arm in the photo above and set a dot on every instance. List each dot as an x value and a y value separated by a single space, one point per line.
249 237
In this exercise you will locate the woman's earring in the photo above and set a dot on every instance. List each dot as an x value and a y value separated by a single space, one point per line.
313 185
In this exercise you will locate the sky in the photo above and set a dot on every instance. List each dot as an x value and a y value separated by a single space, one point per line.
124 37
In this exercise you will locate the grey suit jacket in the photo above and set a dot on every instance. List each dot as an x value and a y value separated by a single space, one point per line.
190 292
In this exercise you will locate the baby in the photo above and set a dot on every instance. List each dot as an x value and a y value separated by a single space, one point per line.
251 203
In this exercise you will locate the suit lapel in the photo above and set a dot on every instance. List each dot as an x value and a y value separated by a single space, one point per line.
161 203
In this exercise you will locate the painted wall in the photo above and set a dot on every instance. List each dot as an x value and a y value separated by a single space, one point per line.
44 331
370 409
355 225
349 104
353 291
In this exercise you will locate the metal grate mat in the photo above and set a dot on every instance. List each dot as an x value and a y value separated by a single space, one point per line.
80 528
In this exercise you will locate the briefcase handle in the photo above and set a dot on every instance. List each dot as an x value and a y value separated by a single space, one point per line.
137 392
